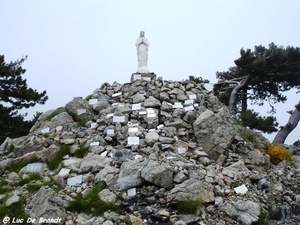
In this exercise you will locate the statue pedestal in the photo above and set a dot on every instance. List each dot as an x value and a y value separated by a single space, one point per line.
143 76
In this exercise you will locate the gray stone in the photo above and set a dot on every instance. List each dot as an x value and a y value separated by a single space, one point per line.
107 196
160 174
11 200
192 189
93 163
152 102
47 204
246 212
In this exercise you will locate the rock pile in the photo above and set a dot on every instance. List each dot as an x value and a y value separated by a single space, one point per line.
168 153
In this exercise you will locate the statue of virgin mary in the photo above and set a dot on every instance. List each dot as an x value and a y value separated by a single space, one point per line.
142 45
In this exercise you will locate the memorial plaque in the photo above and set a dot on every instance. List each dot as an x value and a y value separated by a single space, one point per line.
151 115
150 110
118 104
177 105
151 130
74 180
133 140
104 154
45 130
160 126
81 111
34 167
192 97
181 150
196 105
241 189
119 119
146 78
110 131
64 172
141 92
136 106
133 129
94 125
93 101
116 94
137 77
208 87
131 192
95 143
142 112
189 102
189 108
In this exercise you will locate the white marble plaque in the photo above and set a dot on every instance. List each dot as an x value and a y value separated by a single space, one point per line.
189 102
119 119
81 111
45 130
177 105
196 105
116 94
93 101
64 172
34 167
181 150
74 180
151 115
160 126
110 131
133 129
131 192
241 189
118 104
137 77
94 125
150 110
147 78
104 154
133 140
136 106
142 112
189 108
193 97
151 130
95 143
141 92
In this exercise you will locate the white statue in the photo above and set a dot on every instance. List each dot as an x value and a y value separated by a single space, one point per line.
142 45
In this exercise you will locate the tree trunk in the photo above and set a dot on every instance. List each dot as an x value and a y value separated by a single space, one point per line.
244 99
289 127
234 95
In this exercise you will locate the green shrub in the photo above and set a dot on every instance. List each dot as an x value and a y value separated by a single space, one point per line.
11 148
80 120
248 136
81 152
30 177
55 161
91 204
50 116
277 153
190 206
87 98
14 210
3 187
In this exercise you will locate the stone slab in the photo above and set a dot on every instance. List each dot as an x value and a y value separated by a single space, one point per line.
189 102
74 180
177 105
94 125
34 167
188 108
131 192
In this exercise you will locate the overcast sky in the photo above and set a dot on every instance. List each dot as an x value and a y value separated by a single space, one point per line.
74 46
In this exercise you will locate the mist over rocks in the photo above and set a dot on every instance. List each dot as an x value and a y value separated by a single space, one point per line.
154 144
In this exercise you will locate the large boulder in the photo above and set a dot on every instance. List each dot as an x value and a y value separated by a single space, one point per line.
213 133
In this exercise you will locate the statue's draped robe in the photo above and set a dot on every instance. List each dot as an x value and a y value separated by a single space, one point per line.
142 54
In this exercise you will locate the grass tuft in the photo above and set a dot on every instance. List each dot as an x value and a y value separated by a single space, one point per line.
190 206
81 152
55 161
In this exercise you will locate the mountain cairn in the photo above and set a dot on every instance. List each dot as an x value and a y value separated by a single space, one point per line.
145 152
